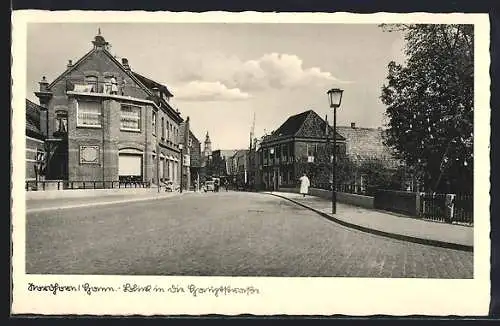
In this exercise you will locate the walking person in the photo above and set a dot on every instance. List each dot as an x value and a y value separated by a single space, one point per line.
304 185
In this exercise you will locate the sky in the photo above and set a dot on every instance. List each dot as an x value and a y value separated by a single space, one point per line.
224 74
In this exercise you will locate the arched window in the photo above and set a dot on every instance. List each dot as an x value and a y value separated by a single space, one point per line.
92 81
61 122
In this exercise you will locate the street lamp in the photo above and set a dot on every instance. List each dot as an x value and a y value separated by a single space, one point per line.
271 163
335 98
182 163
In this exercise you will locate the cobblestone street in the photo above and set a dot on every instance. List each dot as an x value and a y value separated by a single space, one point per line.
200 234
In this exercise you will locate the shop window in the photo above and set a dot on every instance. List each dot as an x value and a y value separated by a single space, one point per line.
130 118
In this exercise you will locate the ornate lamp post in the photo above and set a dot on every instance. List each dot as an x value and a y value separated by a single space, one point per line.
335 98
182 165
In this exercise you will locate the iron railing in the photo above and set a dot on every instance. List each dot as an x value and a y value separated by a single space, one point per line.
358 189
32 185
452 209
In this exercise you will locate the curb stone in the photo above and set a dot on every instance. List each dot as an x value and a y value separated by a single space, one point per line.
429 242
114 202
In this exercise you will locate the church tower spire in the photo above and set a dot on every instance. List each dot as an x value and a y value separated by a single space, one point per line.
207 151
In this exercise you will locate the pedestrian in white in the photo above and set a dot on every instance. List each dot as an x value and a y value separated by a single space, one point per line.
304 185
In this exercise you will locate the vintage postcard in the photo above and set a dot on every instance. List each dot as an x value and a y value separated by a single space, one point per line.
250 163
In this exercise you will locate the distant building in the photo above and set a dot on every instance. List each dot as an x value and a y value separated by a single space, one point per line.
36 130
192 158
254 172
207 148
300 145
221 162
364 145
240 167
109 123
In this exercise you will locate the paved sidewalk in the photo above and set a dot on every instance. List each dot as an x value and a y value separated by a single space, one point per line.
38 205
387 224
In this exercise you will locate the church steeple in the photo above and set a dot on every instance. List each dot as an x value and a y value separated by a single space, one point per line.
207 151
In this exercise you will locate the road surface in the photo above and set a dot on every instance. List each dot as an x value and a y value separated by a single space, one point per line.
222 234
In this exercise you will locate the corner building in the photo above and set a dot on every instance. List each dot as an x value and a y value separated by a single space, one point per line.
106 122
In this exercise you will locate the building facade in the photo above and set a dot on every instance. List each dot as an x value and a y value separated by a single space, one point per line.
109 123
206 159
196 159
365 148
221 164
240 168
302 144
36 124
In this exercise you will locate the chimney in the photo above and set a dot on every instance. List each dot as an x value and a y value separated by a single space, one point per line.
44 84
70 64
353 125
125 64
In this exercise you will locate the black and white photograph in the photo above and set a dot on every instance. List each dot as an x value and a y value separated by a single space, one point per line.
349 153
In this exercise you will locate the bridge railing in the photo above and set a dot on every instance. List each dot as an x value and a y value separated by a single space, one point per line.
32 185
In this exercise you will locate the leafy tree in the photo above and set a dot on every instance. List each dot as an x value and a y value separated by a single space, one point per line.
430 102
377 174
320 171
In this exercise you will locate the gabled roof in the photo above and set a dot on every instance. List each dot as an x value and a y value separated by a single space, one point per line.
366 143
191 134
292 125
71 68
307 124
113 59
144 83
148 82
225 153
33 127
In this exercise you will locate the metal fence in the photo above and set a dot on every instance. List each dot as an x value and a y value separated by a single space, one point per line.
366 190
447 208
33 185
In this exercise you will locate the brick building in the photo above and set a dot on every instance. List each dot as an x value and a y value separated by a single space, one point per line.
301 144
365 145
221 162
192 156
240 167
109 123
36 125
196 158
